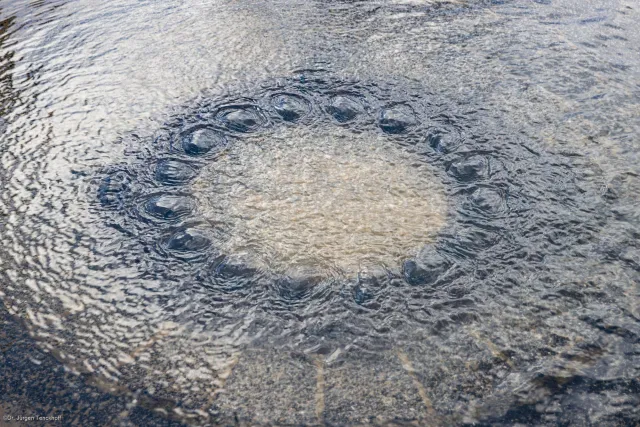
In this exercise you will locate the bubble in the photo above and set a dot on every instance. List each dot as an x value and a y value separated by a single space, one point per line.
169 207
233 269
232 276
343 108
297 285
202 141
362 295
470 242
397 119
469 169
488 201
426 268
241 119
443 140
112 189
290 107
188 240
174 172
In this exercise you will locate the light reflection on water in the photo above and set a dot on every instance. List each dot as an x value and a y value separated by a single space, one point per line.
319 202
535 311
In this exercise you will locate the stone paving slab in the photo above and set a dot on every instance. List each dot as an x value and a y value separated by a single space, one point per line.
34 383
270 387
373 389
456 377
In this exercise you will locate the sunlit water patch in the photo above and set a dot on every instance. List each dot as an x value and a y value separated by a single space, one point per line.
321 201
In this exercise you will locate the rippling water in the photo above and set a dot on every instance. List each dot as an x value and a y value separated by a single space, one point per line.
329 211
327 199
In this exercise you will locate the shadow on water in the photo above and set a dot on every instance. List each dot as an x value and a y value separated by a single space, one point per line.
145 285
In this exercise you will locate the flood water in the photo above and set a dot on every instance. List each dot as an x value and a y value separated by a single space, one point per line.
402 212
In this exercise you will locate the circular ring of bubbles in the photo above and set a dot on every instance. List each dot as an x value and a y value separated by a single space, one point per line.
154 194
515 213
484 174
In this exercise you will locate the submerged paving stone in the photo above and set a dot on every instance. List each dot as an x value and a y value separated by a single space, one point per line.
452 395
299 199
371 389
269 386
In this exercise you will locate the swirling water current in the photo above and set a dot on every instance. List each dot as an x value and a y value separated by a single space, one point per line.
340 212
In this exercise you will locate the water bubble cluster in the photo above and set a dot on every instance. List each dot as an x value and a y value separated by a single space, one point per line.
328 215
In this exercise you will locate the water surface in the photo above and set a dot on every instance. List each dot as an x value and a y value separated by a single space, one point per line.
324 255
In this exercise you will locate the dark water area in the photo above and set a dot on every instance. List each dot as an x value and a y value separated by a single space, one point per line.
305 213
